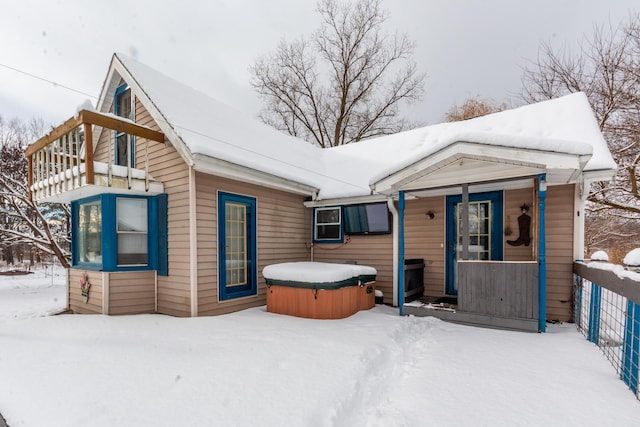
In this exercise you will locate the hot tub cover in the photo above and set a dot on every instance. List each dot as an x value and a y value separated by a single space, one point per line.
318 272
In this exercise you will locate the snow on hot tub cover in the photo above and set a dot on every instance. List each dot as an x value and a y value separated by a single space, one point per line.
318 274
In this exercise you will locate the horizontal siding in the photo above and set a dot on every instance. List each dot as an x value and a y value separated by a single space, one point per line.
425 238
76 302
132 292
373 250
105 142
283 236
513 199
559 217
168 167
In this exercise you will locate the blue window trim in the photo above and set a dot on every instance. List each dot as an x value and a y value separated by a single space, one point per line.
313 230
251 287
157 242
132 140
497 247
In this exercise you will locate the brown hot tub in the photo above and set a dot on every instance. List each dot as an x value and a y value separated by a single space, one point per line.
318 290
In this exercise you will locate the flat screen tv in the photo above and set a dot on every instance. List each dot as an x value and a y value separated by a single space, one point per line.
367 219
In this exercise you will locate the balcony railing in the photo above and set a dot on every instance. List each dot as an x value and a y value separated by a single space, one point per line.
62 168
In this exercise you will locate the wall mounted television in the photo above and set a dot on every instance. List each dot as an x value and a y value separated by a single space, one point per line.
372 218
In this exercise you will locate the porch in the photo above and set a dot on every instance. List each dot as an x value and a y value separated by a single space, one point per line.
61 167
478 214
496 294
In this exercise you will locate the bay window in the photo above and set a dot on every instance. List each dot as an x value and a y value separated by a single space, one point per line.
120 233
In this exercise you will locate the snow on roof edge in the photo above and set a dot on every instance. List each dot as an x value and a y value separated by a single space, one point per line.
242 140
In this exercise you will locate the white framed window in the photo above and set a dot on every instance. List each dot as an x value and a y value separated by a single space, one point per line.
124 144
132 231
89 241
327 225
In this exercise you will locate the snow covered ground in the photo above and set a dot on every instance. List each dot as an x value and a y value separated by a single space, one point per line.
256 368
33 295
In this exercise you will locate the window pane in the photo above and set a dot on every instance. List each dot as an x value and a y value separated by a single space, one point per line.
484 210
328 216
90 232
131 227
131 214
473 225
123 107
328 232
132 249
484 226
122 151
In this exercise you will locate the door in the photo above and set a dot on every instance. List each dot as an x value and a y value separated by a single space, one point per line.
236 246
485 232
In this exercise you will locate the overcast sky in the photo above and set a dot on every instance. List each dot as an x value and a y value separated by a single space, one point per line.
468 48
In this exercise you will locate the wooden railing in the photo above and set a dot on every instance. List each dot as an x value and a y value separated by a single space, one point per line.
60 159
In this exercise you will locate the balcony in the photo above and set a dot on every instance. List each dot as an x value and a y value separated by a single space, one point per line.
62 168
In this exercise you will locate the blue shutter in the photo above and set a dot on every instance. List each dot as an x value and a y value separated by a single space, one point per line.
162 241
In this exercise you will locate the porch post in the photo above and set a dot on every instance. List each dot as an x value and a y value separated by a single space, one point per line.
465 221
542 254
401 250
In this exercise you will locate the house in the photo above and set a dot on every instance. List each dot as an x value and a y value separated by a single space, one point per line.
178 203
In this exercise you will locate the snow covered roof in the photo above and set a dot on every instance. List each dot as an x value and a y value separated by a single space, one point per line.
212 130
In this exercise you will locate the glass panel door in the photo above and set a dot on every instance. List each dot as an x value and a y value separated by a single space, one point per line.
236 246
485 232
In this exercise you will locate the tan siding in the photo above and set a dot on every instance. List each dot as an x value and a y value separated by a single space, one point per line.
105 141
166 165
513 199
76 303
425 238
559 217
375 251
283 236
132 292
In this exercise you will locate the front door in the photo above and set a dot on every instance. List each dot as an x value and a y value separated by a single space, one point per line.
236 246
485 232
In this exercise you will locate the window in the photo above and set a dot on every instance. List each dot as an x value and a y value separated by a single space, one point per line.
479 230
89 241
327 225
120 233
131 229
124 142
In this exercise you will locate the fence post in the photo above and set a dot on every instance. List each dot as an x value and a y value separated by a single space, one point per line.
631 346
577 303
594 314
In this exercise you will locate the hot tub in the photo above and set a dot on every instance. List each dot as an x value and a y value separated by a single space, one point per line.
318 290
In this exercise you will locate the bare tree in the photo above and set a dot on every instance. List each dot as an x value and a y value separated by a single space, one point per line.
474 108
343 84
42 227
615 234
607 70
